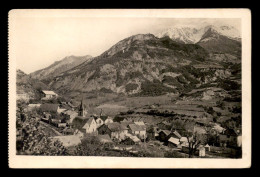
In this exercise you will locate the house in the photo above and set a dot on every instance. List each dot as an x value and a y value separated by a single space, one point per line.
103 120
141 123
131 140
115 130
30 107
90 126
173 142
104 138
126 123
202 151
99 121
207 147
184 141
47 107
163 135
48 94
174 134
106 119
138 130
67 141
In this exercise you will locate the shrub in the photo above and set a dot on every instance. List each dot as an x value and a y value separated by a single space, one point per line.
130 87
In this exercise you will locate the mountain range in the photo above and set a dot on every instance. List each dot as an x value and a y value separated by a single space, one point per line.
146 64
192 35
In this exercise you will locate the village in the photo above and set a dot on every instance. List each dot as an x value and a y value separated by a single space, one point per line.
71 124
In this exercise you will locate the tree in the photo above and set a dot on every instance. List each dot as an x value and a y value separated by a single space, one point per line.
193 137
33 140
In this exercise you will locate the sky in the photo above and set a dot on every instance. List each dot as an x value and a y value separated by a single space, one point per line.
40 41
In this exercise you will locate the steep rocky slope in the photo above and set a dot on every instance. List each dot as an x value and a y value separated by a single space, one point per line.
142 65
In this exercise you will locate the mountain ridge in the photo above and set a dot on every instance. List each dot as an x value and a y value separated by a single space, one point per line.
59 66
191 35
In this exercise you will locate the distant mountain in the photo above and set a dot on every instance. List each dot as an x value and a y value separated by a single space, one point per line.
215 42
190 35
26 84
60 66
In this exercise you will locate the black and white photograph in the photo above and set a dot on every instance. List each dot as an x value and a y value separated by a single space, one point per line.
137 87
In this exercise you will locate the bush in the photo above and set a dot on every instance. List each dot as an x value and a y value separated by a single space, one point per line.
130 87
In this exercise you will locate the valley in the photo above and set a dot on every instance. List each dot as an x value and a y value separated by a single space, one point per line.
161 84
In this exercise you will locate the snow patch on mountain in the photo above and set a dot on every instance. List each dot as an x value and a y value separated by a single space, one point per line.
192 35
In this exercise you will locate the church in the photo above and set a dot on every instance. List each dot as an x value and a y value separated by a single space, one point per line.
82 109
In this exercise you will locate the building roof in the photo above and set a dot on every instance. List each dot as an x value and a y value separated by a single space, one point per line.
48 92
49 107
115 126
207 145
126 123
184 139
177 134
174 140
166 132
67 141
135 127
79 122
135 139
89 121
141 123
34 105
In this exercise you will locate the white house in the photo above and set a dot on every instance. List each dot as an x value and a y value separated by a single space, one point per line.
90 126
48 94
99 122
138 130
